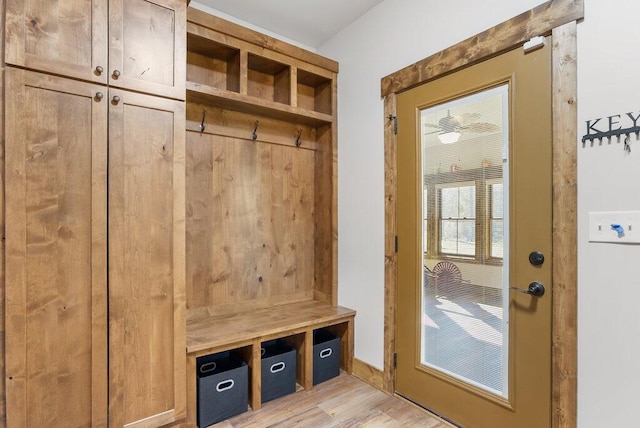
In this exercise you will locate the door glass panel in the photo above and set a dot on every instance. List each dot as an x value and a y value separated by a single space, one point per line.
465 240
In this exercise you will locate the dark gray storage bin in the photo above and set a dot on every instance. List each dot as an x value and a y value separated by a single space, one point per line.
223 387
278 369
326 356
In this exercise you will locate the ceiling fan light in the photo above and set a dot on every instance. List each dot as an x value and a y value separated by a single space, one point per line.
449 137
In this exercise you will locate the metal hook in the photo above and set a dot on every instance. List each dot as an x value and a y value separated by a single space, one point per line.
254 134
298 142
201 126
627 146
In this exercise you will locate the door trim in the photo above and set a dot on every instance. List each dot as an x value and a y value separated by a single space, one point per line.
558 18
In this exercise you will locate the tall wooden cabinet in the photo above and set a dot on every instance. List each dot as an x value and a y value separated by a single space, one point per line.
56 247
146 259
95 324
130 44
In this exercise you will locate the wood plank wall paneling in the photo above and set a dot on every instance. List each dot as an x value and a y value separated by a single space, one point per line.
235 124
565 287
540 20
535 22
250 222
325 177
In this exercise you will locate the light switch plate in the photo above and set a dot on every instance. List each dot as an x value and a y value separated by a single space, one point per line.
600 229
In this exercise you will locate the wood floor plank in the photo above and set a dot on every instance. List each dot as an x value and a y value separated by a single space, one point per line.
314 417
342 402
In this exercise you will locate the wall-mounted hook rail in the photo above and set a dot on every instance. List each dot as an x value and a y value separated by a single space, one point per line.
201 126
298 142
612 133
254 134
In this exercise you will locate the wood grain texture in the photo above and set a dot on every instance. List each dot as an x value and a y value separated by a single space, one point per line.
56 292
326 225
3 420
369 374
62 37
565 117
344 401
211 331
314 92
250 221
148 45
535 22
269 80
227 123
263 41
252 104
212 63
146 260
246 48
390 255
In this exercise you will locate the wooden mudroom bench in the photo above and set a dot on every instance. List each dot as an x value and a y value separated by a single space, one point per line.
210 331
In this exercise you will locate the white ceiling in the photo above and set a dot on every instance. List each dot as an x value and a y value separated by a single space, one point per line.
309 22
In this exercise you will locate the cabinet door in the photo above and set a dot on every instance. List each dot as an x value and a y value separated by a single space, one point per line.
56 291
66 37
147 344
147 49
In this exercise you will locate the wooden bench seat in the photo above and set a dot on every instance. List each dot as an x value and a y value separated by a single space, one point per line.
209 331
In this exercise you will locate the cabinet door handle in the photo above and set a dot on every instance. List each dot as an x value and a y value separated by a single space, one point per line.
99 95
116 73
116 99
99 70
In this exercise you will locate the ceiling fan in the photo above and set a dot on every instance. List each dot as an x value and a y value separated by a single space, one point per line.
451 127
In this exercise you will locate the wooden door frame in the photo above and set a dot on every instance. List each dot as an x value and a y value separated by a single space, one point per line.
557 18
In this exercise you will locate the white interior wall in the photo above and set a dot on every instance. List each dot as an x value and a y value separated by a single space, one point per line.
400 32
608 274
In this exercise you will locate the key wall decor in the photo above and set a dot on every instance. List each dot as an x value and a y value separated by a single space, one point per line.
616 125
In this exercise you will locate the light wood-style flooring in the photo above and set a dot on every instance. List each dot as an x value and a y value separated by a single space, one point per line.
345 401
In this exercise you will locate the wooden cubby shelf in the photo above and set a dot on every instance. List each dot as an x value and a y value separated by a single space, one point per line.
210 331
244 71
314 92
213 64
205 94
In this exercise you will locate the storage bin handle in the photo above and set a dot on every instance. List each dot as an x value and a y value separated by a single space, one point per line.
277 367
326 353
225 385
208 367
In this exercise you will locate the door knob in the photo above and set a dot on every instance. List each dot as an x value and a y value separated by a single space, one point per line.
116 99
99 70
535 289
99 95
116 73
